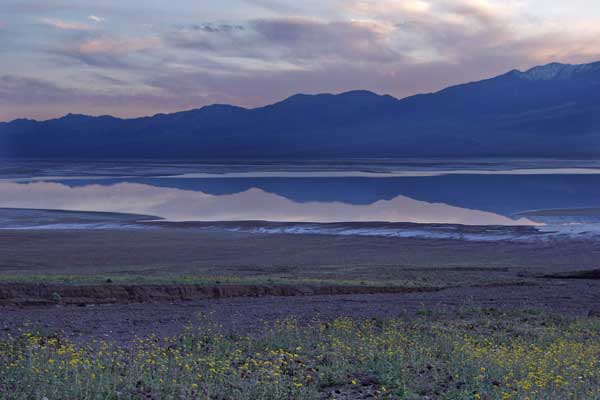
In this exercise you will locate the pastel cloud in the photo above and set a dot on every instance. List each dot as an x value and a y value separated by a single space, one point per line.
253 52
120 46
295 39
109 52
64 25
24 97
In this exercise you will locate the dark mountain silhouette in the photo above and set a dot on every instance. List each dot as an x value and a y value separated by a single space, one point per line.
551 110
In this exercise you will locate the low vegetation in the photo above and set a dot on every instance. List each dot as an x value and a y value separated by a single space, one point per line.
368 275
476 354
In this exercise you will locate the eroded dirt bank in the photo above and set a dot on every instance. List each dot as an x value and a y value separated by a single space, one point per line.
30 294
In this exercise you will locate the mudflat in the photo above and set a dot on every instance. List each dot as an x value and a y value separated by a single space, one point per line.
192 251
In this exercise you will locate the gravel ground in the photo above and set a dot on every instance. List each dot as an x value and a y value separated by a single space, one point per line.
122 322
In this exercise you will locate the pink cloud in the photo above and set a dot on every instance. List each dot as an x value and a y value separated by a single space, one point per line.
118 46
64 25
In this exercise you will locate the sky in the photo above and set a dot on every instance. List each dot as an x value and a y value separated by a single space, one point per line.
142 57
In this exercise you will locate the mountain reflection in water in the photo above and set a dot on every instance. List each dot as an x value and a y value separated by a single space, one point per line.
252 204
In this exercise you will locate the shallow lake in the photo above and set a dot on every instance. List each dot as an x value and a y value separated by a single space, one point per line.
438 198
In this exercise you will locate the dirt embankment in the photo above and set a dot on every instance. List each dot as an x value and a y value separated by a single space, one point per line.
591 274
25 294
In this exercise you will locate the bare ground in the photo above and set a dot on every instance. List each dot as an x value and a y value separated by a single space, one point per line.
443 275
189 250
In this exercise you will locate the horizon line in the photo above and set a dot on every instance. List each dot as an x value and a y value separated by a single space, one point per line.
345 92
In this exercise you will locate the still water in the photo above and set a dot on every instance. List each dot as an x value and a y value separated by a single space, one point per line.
425 198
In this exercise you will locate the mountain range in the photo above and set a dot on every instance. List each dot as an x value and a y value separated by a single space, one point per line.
547 111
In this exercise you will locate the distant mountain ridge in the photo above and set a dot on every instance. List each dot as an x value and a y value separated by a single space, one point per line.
547 111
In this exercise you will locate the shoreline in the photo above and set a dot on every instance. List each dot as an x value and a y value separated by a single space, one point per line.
22 219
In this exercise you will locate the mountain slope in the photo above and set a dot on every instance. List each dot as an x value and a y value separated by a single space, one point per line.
551 110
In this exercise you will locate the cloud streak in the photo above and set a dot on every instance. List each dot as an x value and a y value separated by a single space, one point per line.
106 52
22 97
64 25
